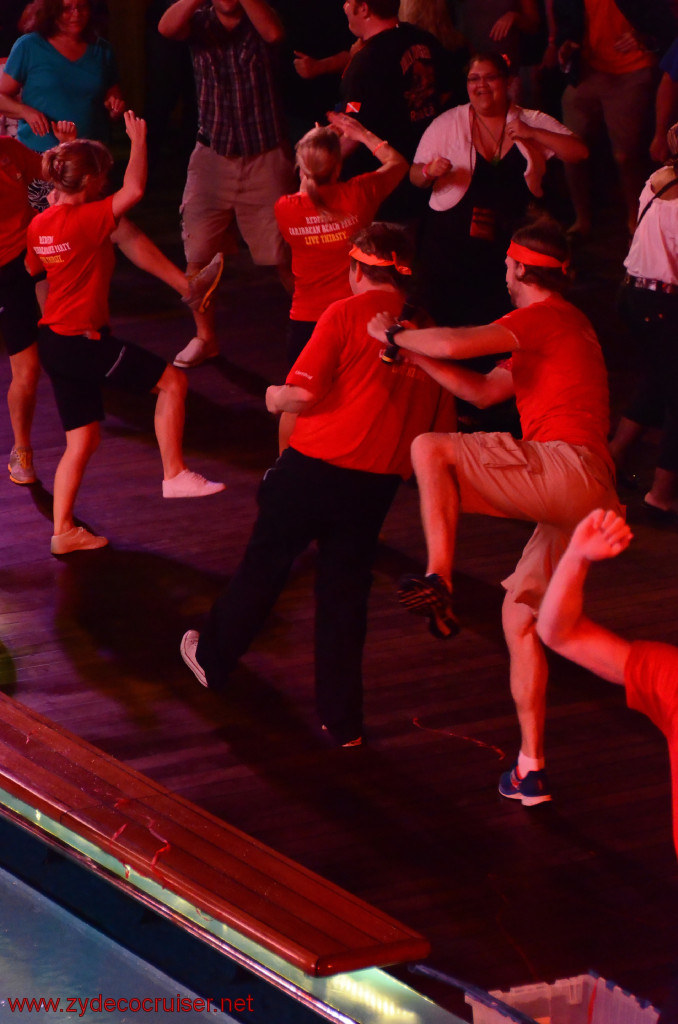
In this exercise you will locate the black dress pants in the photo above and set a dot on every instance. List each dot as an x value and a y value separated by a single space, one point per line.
302 499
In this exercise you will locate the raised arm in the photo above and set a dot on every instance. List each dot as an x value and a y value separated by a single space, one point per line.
446 342
264 19
176 21
392 162
134 182
561 623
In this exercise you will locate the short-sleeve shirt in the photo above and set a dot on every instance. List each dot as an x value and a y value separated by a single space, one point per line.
393 85
72 243
239 108
559 375
18 167
651 680
369 411
654 246
63 89
605 23
320 242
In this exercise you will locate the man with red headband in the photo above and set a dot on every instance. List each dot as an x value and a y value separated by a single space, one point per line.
350 447
556 474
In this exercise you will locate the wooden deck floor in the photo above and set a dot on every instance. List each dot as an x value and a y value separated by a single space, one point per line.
412 822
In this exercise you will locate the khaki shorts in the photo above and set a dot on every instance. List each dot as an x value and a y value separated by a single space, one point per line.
552 483
623 103
219 188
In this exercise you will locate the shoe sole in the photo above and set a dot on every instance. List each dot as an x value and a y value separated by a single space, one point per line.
23 483
207 297
526 801
421 598
191 663
194 362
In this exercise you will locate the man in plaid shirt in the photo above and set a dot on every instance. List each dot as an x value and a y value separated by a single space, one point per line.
240 165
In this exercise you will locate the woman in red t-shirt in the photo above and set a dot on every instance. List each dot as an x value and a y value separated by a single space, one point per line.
319 221
71 242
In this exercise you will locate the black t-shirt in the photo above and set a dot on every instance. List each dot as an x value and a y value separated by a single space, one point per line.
395 86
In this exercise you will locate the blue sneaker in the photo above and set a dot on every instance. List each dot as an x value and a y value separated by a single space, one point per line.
533 789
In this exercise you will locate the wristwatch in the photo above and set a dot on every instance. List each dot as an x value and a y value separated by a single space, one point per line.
390 353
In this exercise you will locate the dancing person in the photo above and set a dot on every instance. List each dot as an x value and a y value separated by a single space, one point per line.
71 243
357 416
240 165
318 221
59 70
19 312
647 669
649 304
559 471
484 163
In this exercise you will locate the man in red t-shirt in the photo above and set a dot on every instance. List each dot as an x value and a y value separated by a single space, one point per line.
357 417
649 671
558 472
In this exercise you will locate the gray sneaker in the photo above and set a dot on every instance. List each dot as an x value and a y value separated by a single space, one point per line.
202 285
187 649
20 466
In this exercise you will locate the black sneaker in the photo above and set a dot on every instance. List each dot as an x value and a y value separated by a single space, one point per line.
429 596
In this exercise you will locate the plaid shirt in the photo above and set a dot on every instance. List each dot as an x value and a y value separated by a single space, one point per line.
238 104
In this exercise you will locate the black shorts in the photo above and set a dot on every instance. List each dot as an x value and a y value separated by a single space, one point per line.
80 368
18 306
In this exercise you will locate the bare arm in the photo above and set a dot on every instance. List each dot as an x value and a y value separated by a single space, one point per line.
312 67
134 182
561 623
480 389
424 175
176 21
392 162
13 107
446 342
289 398
114 102
568 148
264 19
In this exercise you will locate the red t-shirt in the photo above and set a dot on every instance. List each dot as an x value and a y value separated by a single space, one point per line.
559 375
73 244
605 23
18 167
320 243
651 680
369 411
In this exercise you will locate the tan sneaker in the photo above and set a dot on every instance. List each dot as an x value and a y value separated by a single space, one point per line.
203 284
196 352
20 466
76 539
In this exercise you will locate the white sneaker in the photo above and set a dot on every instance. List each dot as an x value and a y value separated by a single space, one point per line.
196 352
187 648
188 484
76 539
202 285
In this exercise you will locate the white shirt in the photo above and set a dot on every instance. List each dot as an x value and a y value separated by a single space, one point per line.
449 135
654 248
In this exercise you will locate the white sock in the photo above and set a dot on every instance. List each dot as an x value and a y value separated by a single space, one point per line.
529 764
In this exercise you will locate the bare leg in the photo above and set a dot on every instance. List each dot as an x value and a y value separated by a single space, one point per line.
144 254
578 178
205 326
433 459
81 444
22 394
169 420
529 674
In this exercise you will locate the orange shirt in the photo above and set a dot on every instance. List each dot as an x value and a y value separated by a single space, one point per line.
18 167
369 411
72 243
320 243
651 680
605 23
559 375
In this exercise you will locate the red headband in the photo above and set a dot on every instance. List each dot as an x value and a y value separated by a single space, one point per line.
530 258
376 261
